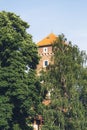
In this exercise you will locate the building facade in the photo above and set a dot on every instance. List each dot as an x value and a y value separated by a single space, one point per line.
45 51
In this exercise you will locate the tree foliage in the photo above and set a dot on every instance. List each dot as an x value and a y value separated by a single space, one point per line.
19 87
66 80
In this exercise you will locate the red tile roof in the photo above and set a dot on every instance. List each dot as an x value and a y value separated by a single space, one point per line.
47 40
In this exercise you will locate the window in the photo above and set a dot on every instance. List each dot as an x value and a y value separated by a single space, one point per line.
45 63
45 49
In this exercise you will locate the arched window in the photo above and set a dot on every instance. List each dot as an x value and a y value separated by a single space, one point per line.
45 50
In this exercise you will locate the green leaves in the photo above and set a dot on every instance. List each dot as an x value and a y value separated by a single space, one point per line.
5 112
65 79
19 87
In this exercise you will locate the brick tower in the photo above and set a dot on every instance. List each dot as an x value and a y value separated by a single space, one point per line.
45 51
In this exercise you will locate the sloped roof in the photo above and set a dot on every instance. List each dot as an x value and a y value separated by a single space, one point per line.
47 40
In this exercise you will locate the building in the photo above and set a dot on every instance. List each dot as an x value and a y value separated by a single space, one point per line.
45 51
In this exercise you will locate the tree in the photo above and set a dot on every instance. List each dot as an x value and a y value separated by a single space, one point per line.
19 87
64 79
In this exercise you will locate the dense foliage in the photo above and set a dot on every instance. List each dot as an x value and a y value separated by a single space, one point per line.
19 87
66 81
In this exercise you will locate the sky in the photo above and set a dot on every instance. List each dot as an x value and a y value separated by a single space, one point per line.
52 16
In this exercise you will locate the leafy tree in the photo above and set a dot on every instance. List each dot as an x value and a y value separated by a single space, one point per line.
19 87
83 95
65 81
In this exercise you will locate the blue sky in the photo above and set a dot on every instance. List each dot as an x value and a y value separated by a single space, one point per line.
52 16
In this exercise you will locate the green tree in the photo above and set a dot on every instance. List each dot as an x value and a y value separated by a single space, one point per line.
83 95
64 80
19 87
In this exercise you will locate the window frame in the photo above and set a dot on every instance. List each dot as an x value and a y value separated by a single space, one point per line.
45 64
45 49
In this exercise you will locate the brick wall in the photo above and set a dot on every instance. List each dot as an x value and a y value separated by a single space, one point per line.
45 53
